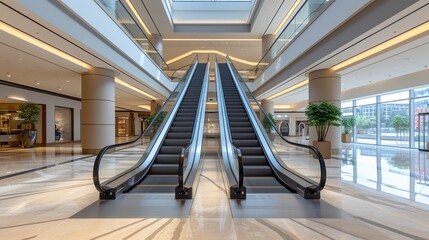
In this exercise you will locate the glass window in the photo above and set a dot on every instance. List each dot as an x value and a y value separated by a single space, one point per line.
347 104
421 92
366 124
366 101
420 105
395 96
395 124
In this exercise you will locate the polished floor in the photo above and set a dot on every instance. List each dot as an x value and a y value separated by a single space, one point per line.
378 193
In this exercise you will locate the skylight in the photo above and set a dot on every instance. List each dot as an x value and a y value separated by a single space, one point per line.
211 11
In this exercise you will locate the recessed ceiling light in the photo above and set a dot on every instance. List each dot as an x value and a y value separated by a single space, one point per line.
60 89
17 98
68 81
37 83
8 75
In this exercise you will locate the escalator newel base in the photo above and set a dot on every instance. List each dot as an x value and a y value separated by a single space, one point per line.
304 192
237 193
185 193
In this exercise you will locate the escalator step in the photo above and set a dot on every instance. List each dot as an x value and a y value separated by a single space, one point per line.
180 129
242 130
167 158
257 171
240 124
170 150
251 151
238 119
175 142
255 159
184 119
185 114
182 124
246 143
164 169
237 114
179 135
244 136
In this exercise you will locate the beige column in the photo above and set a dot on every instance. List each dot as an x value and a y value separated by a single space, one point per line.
325 85
267 41
98 109
154 107
268 107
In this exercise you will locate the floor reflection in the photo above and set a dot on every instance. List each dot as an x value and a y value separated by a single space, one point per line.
401 172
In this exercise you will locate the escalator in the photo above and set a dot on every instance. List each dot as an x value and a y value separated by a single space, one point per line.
251 162
170 161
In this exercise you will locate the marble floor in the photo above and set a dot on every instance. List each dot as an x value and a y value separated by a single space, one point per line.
383 192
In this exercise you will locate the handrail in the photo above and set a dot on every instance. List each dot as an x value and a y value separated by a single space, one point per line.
323 176
239 190
97 162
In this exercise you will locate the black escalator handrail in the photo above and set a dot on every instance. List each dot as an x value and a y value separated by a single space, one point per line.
323 176
97 162
237 150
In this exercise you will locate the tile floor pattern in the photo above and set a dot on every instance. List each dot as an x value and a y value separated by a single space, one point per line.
386 196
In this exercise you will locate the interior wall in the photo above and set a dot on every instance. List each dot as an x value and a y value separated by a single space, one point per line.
50 102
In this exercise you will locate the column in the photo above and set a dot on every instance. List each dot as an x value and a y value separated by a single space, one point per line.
154 107
268 107
98 109
110 5
156 48
325 85
267 42
292 125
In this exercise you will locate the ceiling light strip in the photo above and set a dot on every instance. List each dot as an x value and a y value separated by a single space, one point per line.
134 10
18 98
282 106
36 42
147 107
294 87
212 39
291 10
383 46
119 81
187 54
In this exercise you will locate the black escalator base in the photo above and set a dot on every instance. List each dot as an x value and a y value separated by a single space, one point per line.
162 177
258 174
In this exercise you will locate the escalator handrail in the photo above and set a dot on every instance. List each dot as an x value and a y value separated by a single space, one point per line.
237 150
191 141
320 158
97 162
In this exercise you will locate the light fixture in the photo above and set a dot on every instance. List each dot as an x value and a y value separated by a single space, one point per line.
290 89
17 98
119 81
383 46
37 83
36 42
211 103
147 107
282 106
8 75
133 9
213 39
187 54
294 6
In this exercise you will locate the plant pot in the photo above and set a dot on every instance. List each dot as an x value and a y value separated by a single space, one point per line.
324 148
29 138
346 138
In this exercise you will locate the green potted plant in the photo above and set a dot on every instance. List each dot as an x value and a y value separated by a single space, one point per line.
267 124
348 123
322 116
29 114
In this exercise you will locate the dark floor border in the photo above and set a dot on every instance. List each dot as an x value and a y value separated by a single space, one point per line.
44 167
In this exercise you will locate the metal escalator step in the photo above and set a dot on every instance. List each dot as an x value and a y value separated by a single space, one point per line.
257 170
175 142
184 119
255 159
241 129
238 119
164 169
159 180
167 158
240 124
185 114
246 143
264 185
237 114
182 124
170 150
180 129
244 136
179 135
252 151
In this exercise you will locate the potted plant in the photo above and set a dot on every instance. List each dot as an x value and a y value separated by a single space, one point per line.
29 114
348 123
267 124
322 116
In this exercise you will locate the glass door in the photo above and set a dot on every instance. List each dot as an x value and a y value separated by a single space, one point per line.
424 131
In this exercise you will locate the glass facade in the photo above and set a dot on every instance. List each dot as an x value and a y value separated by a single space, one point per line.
388 119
